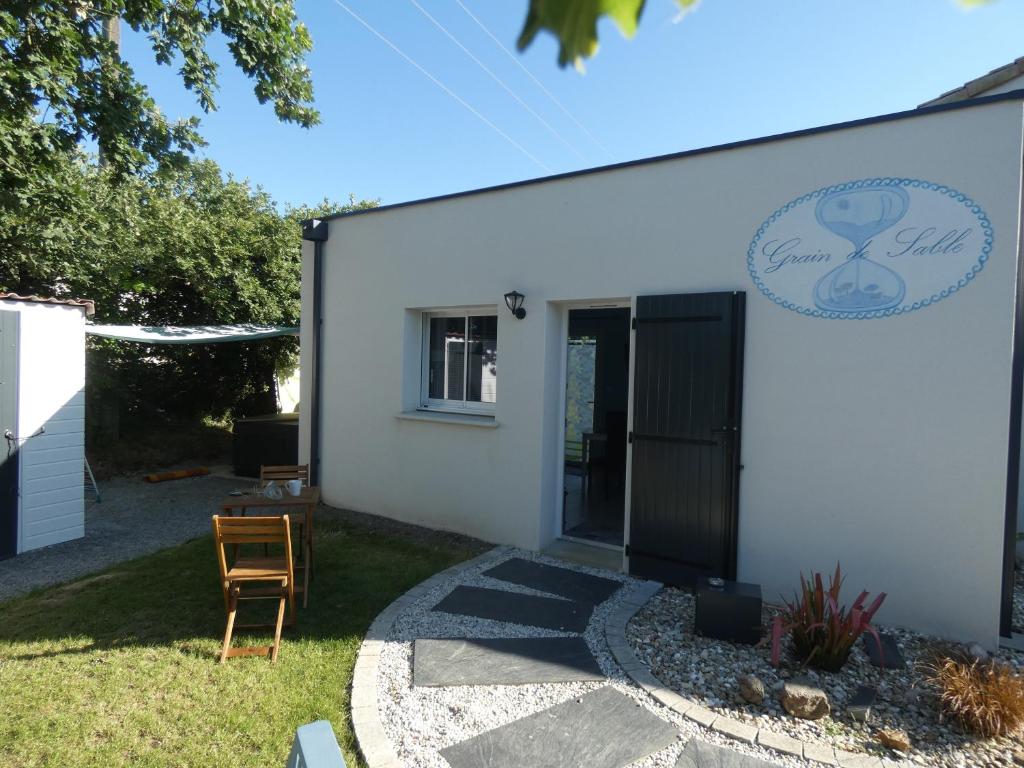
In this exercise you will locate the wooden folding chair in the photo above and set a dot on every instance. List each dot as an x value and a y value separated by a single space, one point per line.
282 473
246 571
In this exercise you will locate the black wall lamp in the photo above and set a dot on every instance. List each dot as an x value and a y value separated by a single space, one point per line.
514 302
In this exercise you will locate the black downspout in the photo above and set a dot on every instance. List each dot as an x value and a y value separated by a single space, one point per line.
315 231
1013 467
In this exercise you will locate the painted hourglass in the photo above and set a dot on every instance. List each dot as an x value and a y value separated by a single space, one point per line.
858 215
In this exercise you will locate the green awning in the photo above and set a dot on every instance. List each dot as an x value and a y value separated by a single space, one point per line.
190 334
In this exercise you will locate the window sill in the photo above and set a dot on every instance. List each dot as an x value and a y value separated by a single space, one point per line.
446 417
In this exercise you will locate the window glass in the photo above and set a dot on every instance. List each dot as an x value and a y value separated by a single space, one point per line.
483 359
461 361
447 358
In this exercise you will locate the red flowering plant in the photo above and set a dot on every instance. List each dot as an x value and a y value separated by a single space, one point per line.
823 632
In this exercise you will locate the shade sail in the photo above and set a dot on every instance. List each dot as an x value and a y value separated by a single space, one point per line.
190 334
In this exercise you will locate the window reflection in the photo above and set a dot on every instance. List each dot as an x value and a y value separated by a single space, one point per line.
483 359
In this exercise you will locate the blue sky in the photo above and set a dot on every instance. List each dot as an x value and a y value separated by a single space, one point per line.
729 70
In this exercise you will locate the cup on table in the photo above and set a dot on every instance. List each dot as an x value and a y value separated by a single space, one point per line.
294 487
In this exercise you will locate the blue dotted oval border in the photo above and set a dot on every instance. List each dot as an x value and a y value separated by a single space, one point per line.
986 228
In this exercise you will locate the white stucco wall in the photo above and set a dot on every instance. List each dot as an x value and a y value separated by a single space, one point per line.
51 397
879 443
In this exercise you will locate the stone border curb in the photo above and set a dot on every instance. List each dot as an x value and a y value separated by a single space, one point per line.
373 743
615 636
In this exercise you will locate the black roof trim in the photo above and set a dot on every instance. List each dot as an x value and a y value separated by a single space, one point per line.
965 104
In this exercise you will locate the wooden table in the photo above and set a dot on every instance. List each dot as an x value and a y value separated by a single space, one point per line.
307 501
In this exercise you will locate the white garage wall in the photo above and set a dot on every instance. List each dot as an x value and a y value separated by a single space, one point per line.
51 384
880 443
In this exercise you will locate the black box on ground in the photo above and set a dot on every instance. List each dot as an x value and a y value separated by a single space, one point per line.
267 440
728 610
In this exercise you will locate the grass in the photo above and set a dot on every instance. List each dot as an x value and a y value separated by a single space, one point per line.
120 668
986 697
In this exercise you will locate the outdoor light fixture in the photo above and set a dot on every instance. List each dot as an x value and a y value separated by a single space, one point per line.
514 302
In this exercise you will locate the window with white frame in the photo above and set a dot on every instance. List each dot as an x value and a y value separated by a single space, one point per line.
460 360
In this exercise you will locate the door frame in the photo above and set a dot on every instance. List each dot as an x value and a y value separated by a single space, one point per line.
563 373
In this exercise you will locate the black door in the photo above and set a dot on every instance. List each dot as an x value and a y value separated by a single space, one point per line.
687 387
8 434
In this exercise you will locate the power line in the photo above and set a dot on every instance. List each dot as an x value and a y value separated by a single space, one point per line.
443 87
537 82
497 79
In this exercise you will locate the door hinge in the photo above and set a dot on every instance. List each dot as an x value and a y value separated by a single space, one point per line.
629 438
633 324
627 550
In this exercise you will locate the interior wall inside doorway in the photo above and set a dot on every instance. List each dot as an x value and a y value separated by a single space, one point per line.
596 397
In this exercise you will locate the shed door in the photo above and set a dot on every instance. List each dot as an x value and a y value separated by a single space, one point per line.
8 434
686 434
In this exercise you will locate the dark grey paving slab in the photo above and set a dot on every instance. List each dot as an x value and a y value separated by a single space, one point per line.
516 608
503 661
700 754
603 729
890 657
557 581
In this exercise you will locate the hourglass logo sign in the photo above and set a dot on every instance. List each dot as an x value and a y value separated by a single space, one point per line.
870 248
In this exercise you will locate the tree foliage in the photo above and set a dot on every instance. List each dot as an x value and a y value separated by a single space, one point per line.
177 247
574 23
58 69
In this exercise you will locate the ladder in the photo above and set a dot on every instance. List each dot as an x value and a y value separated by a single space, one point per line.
90 482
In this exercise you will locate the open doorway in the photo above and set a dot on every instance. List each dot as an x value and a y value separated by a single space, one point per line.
596 401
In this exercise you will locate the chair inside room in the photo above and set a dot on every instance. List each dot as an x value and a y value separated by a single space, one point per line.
248 577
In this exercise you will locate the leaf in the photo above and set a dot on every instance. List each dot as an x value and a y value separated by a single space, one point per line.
574 23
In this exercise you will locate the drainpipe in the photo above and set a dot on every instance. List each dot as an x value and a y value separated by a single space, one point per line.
315 231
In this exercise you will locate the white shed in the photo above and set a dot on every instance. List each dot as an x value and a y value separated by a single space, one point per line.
42 420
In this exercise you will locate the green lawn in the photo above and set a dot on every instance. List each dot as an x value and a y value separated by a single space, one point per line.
121 668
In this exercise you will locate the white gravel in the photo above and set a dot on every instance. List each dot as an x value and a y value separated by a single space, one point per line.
661 635
421 721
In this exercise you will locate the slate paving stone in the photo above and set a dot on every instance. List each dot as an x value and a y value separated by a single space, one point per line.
859 707
603 729
890 658
503 661
564 582
516 608
700 754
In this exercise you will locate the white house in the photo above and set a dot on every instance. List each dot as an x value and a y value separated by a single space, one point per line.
42 421
801 349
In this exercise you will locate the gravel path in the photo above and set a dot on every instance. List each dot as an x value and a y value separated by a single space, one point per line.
134 518
661 635
421 721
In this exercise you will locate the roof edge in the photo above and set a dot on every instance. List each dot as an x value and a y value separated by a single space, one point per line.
87 304
979 85
888 117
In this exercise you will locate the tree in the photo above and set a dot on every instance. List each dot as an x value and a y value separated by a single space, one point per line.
174 247
63 81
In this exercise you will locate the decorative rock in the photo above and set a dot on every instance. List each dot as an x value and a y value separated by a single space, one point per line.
802 699
894 739
751 689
